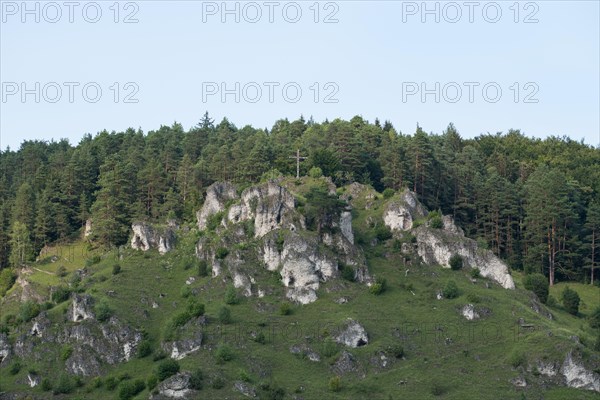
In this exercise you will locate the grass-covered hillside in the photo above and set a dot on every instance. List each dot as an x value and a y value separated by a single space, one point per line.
419 346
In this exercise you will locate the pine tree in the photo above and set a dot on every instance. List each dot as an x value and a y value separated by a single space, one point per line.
21 250
592 240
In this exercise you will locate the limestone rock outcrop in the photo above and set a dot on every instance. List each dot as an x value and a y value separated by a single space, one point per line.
352 335
399 215
217 196
147 236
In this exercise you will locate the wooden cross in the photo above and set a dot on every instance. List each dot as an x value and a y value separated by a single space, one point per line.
298 159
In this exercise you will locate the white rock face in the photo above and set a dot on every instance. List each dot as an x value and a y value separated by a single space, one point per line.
81 308
346 226
146 237
33 380
217 195
4 348
400 215
469 312
270 205
436 246
354 335
88 228
577 376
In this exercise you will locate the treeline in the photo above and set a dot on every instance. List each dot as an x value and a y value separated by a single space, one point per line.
533 202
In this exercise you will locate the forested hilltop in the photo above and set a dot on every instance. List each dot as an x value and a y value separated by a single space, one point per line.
533 202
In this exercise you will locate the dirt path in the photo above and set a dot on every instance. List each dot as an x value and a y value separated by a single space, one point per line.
46 272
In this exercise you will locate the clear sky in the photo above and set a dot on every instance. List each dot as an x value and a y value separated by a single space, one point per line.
485 66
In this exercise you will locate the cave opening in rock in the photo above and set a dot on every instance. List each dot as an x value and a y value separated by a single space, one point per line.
360 343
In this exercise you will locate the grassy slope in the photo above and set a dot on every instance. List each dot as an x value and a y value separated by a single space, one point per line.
475 364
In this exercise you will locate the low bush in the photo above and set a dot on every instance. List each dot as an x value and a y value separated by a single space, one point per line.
130 389
538 284
570 300
450 291
167 368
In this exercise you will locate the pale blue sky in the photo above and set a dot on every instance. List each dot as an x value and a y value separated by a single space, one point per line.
368 55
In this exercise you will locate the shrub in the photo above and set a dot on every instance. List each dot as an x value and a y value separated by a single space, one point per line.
224 353
103 311
382 233
388 192
129 389
97 382
437 389
378 287
60 294
195 308
335 384
538 284
260 338
279 242
397 350
66 352
231 296
144 349
517 359
185 291
116 269
61 271
221 253
167 368
159 355
111 383
28 311
315 172
285 309
7 279
570 300
214 221
450 291
456 262
245 376
473 298
436 222
594 318
224 315
46 385
202 268
475 273
151 382
181 319
92 260
218 383
64 385
196 379
14 368
347 272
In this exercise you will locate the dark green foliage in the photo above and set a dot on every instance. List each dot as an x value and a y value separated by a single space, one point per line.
475 273
347 272
15 367
197 379
214 221
594 318
64 385
322 209
95 259
111 383
66 352
383 233
202 268
538 284
285 309
7 279
195 308
279 241
152 381
28 311
271 392
224 315
103 310
231 296
224 353
435 220
260 338
61 271
221 253
397 351
116 269
167 368
570 300
181 319
450 291
218 383
60 294
130 389
388 192
378 287
185 291
144 349
46 385
456 262
438 389
517 359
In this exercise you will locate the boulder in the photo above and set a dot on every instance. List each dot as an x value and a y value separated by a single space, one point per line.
577 376
352 335
399 215
175 387
82 308
468 311
5 349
